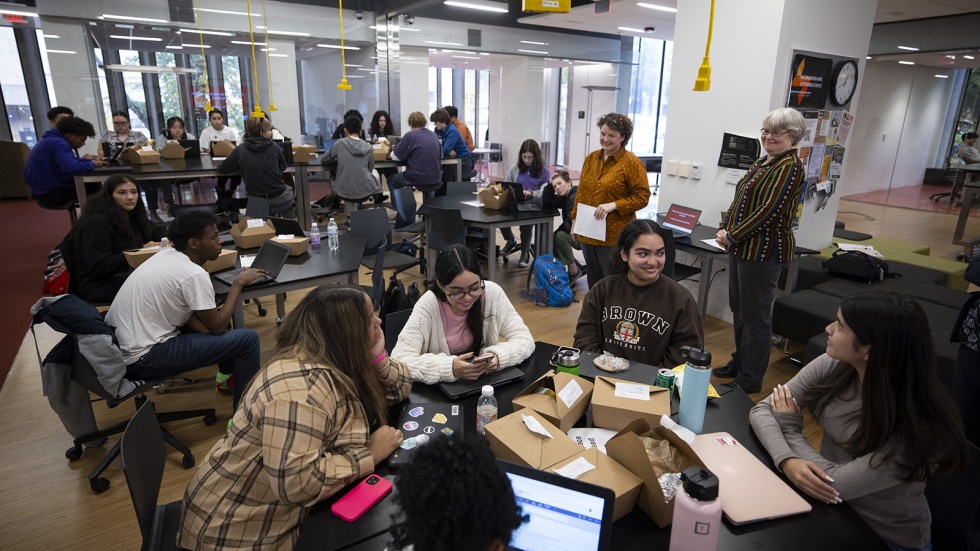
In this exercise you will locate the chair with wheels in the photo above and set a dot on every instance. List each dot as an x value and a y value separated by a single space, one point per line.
372 224
144 454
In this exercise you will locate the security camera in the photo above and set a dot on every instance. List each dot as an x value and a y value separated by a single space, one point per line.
645 29
359 15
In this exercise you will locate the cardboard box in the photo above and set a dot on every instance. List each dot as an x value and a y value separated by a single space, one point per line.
299 245
141 156
222 148
227 259
303 154
136 257
627 449
511 440
382 150
494 196
249 236
609 474
610 411
173 150
552 408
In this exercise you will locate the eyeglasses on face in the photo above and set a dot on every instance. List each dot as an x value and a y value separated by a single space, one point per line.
776 134
474 293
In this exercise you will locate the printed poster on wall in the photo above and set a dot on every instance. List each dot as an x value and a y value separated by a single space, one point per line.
738 151
810 82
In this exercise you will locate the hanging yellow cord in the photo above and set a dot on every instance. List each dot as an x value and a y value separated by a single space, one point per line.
344 85
257 111
268 64
703 82
204 60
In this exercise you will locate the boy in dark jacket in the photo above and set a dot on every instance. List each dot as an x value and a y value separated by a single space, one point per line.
261 164
352 161
53 163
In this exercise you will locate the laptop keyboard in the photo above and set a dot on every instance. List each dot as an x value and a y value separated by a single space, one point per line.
232 274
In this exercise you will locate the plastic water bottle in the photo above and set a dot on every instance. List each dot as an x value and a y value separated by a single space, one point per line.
694 391
333 241
315 236
486 409
165 244
697 511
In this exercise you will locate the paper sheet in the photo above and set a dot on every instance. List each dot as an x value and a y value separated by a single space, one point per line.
713 243
246 260
255 222
576 468
472 203
534 426
866 249
587 226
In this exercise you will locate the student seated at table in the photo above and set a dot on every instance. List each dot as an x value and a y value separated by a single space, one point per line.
260 162
165 316
453 147
53 163
461 318
352 161
419 149
216 132
530 172
174 133
560 193
313 421
454 495
887 421
114 220
636 312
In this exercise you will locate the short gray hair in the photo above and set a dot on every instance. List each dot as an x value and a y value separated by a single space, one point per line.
788 120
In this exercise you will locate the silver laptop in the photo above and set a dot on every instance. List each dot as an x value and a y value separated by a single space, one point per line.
681 220
271 258
565 514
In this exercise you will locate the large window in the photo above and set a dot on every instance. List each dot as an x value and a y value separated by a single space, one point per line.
169 87
968 116
15 90
648 97
231 68
135 95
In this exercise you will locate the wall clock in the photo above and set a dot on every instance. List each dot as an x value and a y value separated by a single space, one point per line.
844 82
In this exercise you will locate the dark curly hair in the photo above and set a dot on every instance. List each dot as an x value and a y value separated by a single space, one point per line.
189 225
389 124
76 126
124 222
618 123
455 498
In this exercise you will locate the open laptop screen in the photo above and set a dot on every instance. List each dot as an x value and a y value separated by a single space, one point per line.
565 514
681 218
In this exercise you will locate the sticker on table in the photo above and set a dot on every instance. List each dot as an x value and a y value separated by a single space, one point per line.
410 425
440 418
416 411
421 439
408 443
725 441
429 429
455 411
447 431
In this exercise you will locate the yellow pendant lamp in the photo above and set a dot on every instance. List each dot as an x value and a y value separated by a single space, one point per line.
268 64
703 82
257 110
204 61
344 85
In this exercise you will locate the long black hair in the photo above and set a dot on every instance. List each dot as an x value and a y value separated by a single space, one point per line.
124 222
170 122
389 124
628 237
449 264
537 165
906 414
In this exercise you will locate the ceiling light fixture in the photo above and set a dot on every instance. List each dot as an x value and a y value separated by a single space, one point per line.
61 52
130 18
656 7
967 57
229 12
173 47
631 30
195 31
906 63
130 37
248 43
337 47
198 46
941 76
908 48
278 55
50 36
534 43
532 52
482 5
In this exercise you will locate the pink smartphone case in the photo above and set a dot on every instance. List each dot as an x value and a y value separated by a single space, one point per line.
361 498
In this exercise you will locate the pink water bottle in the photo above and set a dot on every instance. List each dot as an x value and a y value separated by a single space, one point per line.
697 512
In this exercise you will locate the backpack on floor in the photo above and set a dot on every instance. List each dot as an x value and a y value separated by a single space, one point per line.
551 286
55 279
396 298
857 266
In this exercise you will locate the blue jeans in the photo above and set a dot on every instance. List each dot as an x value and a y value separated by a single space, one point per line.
236 352
396 181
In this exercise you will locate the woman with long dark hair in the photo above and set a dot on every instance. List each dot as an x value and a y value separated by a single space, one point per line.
636 312
382 125
459 321
887 421
531 173
175 131
310 422
114 220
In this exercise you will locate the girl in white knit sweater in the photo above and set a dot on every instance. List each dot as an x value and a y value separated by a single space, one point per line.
455 329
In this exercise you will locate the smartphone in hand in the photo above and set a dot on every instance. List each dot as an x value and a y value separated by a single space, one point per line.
362 497
481 359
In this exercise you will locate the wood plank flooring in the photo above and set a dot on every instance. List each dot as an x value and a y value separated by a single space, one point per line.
46 503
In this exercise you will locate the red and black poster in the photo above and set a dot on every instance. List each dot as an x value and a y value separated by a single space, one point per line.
810 81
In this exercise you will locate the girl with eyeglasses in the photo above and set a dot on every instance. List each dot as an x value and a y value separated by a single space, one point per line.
530 172
757 232
460 320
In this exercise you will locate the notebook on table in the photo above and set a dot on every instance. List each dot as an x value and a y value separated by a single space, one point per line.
681 220
461 388
565 514
521 203
271 258
421 424
749 490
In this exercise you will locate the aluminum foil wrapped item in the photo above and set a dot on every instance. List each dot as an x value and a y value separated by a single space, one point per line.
668 484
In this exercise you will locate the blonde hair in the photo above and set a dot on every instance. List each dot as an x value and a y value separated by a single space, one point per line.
255 126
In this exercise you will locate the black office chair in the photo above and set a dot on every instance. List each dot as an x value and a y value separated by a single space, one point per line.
403 199
954 500
394 323
144 453
458 189
372 224
377 288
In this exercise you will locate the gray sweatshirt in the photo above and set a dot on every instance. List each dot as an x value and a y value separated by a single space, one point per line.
896 510
352 161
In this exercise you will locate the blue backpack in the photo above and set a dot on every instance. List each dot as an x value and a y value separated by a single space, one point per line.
551 286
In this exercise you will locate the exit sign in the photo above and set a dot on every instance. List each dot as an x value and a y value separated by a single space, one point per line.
10 18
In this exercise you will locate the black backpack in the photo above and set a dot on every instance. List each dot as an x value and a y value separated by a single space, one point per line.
396 298
857 266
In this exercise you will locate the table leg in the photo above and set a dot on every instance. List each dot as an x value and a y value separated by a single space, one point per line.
80 190
491 253
970 194
302 192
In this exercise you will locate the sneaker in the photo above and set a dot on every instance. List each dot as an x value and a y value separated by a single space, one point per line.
525 259
227 387
729 371
510 247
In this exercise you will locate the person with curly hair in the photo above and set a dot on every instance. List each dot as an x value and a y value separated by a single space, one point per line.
113 221
455 497
53 162
382 125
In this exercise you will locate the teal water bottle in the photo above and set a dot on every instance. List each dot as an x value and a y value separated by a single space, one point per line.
694 390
